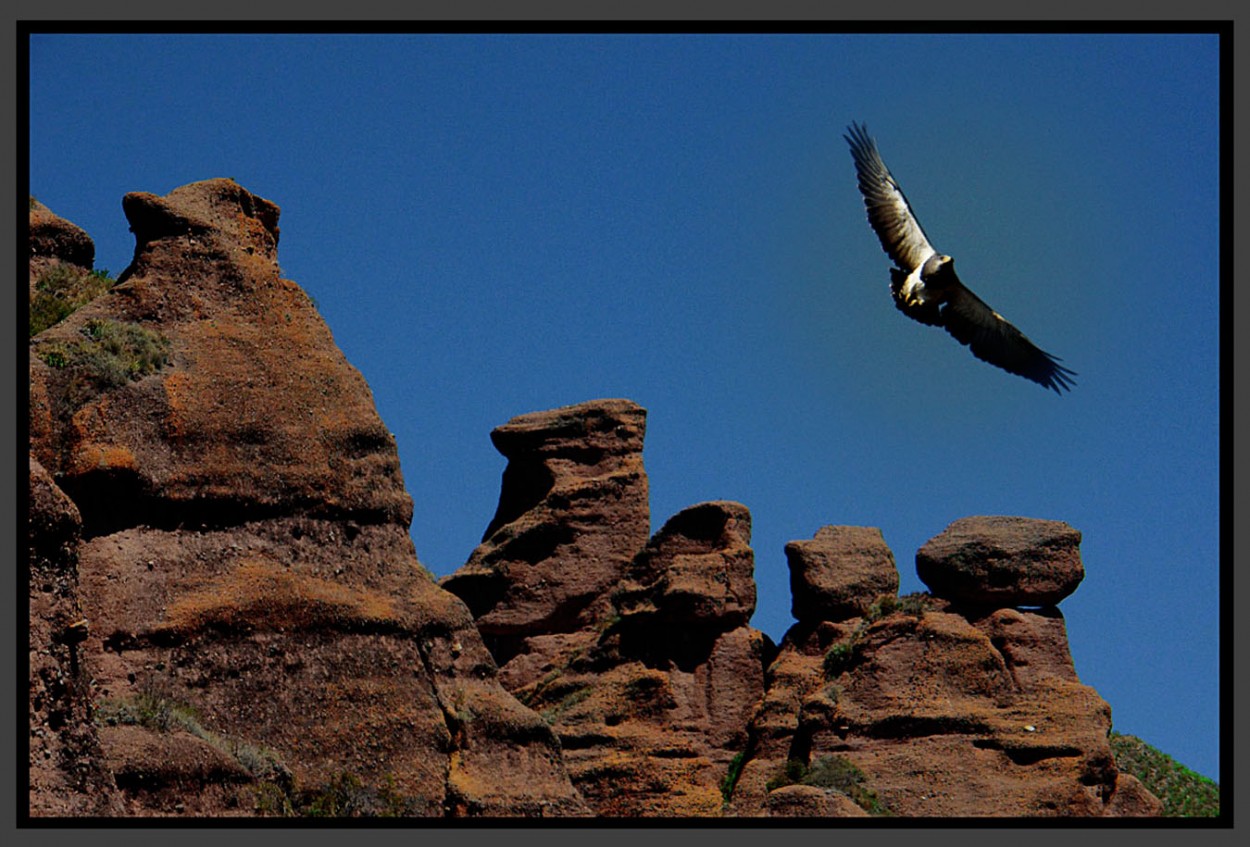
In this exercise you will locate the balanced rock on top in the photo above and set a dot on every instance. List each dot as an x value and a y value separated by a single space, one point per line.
1002 562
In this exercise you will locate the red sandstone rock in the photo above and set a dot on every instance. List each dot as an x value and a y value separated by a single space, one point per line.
839 573
1000 562
642 663
246 557
697 571
653 711
52 238
68 776
572 513
257 412
1133 800
808 801
945 716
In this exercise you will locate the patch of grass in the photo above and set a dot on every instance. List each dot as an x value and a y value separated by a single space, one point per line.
882 607
1185 794
847 653
831 772
530 697
109 354
276 793
552 713
348 797
151 711
841 774
915 604
161 714
273 799
62 290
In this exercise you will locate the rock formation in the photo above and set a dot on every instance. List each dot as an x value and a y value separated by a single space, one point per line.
944 706
572 512
227 616
68 776
261 636
999 562
54 240
839 573
651 676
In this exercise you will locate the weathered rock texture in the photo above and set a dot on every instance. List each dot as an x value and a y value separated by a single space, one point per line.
839 573
227 616
572 512
68 776
651 675
55 240
1002 561
261 635
935 708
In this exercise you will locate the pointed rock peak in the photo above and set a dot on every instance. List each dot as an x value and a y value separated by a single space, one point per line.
217 391
839 573
219 207
1002 562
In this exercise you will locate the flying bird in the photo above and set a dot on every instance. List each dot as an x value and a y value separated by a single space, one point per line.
924 284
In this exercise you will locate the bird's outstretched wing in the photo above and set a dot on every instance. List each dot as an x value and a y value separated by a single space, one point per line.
889 213
993 339
947 302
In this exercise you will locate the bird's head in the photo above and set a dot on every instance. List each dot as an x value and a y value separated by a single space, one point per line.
937 265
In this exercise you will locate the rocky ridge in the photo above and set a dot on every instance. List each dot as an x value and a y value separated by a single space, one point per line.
228 616
262 637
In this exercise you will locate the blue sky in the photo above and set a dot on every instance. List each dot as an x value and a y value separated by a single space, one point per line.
497 224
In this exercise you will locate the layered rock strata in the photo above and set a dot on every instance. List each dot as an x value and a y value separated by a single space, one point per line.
929 706
573 510
262 637
651 676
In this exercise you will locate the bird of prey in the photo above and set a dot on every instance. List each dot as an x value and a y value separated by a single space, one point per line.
924 284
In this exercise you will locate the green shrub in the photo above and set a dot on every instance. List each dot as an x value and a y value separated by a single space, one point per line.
348 797
882 607
61 290
730 779
841 657
345 796
1185 794
843 775
150 711
161 714
845 654
791 773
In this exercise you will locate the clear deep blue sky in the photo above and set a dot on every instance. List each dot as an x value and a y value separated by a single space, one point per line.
494 225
